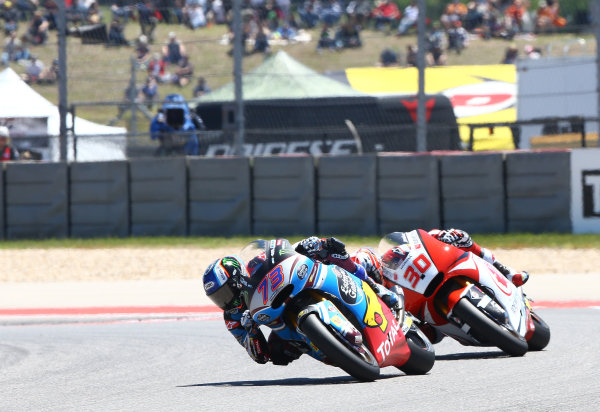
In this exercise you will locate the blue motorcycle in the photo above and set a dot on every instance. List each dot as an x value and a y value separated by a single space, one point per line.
330 314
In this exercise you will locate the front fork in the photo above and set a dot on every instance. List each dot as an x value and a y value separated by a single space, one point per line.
479 299
332 317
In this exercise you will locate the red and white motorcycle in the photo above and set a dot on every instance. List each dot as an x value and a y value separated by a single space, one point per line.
461 295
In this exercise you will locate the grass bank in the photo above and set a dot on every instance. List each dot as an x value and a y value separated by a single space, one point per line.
508 241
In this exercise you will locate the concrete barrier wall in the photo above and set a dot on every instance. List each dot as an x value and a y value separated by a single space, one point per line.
346 195
36 200
158 197
538 192
473 192
2 220
99 199
407 193
280 196
219 197
283 196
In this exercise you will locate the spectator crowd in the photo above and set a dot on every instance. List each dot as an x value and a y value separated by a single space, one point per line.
339 25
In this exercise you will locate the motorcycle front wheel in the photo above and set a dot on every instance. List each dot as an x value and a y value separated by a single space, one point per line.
541 334
484 329
336 352
422 354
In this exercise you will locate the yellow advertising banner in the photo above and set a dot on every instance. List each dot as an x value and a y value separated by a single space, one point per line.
479 94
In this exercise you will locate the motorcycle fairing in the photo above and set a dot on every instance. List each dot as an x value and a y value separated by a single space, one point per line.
383 332
505 293
418 270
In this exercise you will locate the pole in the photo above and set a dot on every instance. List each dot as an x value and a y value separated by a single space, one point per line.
595 9
421 124
132 95
62 78
238 47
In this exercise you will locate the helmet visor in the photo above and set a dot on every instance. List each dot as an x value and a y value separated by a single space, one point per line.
223 297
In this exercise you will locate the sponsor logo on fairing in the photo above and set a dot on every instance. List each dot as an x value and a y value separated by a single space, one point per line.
386 346
374 314
346 286
263 318
209 285
302 271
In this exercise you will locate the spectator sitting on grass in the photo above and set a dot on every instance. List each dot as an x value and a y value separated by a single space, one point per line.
33 70
14 49
116 36
201 87
385 14
49 75
149 92
388 58
183 72
174 50
142 51
37 32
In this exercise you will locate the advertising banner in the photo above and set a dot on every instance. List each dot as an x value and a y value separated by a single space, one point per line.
479 94
585 190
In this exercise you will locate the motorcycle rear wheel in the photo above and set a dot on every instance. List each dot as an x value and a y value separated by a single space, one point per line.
485 329
336 352
541 334
422 354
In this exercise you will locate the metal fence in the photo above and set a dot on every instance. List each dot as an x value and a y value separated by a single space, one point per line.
548 133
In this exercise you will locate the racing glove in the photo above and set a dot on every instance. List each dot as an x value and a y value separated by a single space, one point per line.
311 247
254 342
255 345
454 237
328 251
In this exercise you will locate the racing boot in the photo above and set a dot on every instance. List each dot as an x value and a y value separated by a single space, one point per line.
517 278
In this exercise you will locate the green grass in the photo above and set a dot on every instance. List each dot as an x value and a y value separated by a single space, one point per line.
509 241
97 73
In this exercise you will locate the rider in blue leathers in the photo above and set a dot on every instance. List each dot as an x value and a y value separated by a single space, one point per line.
225 279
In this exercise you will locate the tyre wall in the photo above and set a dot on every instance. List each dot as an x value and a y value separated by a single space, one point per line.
346 202
283 195
99 199
36 200
408 193
219 197
538 192
472 192
158 197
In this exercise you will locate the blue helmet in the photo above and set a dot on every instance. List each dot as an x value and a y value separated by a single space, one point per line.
223 282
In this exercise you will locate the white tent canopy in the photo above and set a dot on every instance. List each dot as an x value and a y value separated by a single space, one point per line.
18 100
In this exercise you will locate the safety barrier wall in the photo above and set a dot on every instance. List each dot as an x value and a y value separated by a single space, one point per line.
99 199
538 192
362 195
36 200
407 192
219 197
283 198
472 192
2 208
158 197
346 201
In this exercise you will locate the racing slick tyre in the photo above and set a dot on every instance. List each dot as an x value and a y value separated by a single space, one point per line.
422 354
541 335
484 329
338 353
